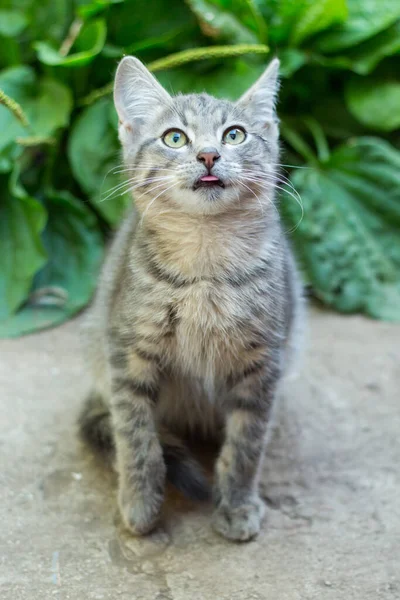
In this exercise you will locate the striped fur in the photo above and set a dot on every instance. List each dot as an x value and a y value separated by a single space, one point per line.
195 316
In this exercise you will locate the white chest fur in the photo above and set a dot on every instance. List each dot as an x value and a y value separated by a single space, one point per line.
207 343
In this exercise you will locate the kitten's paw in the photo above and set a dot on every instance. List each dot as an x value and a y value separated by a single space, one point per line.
140 514
241 523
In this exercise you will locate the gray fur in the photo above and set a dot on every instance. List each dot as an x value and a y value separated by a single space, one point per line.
195 317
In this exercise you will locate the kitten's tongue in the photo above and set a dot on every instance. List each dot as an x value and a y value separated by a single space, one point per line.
209 178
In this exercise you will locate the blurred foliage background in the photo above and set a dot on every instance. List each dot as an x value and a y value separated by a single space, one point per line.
59 155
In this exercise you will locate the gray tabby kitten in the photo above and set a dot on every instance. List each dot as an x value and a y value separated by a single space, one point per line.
193 324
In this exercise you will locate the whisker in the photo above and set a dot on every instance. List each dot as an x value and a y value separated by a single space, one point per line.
142 168
250 190
151 190
292 166
127 185
273 180
260 179
154 199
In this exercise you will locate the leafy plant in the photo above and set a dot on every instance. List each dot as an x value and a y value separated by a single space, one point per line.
339 111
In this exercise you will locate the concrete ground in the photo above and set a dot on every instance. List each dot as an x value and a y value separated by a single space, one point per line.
331 480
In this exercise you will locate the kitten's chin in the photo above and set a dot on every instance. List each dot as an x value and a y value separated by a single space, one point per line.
203 200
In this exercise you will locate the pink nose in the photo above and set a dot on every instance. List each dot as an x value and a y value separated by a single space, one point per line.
208 157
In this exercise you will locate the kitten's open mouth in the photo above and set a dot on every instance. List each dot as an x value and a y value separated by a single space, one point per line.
208 181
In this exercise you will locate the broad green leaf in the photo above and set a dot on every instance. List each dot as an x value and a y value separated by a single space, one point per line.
363 58
93 152
311 17
294 21
246 13
17 83
47 104
163 41
374 101
196 55
21 251
12 22
10 52
50 107
221 24
343 126
366 18
50 19
135 23
90 8
47 19
292 60
89 43
226 81
349 237
67 281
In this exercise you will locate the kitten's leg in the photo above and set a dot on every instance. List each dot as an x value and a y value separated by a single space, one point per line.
140 462
95 425
239 509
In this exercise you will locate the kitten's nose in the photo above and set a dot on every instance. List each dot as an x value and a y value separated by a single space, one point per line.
208 156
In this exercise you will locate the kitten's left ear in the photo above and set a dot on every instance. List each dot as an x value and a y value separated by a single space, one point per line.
136 93
260 100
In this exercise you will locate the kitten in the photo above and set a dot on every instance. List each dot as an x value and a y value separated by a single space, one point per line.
193 324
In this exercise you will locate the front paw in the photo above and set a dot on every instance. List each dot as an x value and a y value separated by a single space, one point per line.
241 523
140 512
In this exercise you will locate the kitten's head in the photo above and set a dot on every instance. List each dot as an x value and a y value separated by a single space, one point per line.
195 152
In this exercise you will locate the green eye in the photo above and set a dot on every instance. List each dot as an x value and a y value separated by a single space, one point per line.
175 138
234 136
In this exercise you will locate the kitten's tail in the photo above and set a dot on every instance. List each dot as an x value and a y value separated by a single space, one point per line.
183 471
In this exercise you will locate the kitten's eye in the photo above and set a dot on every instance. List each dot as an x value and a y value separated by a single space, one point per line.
175 138
234 136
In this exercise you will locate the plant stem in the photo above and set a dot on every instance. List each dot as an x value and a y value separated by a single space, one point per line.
319 139
73 33
295 140
180 58
14 107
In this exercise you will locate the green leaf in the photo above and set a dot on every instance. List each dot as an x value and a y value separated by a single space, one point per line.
87 10
50 107
93 152
294 21
311 17
228 14
132 25
221 24
374 101
47 104
12 22
229 80
349 237
183 77
67 281
22 253
366 18
363 58
17 83
89 44
344 125
292 60
46 19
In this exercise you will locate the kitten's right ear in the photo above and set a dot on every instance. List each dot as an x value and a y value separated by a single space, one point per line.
136 93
